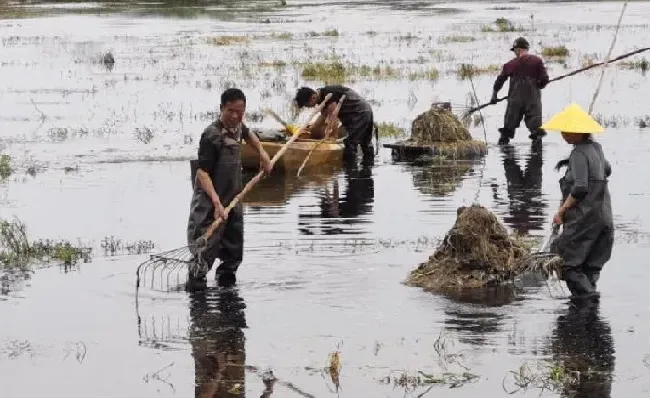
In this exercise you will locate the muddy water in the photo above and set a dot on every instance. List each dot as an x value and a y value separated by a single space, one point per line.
103 152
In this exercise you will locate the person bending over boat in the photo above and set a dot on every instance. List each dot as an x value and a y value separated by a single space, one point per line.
218 180
528 76
356 116
587 237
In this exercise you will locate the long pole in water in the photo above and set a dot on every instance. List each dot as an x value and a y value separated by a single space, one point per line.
575 72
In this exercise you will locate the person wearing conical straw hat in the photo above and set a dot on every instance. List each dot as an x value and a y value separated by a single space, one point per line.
587 237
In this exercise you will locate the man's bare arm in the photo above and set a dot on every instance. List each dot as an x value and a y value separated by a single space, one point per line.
205 182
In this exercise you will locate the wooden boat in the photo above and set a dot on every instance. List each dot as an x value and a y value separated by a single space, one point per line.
325 153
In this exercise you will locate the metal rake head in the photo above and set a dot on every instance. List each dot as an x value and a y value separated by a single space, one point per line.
164 270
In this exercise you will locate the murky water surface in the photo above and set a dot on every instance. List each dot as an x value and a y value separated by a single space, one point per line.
100 152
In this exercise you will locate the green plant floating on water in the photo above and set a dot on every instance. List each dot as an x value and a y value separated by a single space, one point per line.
5 167
16 252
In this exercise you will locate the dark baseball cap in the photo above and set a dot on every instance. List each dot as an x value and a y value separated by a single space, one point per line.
520 42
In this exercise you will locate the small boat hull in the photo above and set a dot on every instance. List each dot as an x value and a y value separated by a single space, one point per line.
324 154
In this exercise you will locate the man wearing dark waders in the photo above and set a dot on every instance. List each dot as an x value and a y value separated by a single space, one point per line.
217 179
528 77
587 237
355 115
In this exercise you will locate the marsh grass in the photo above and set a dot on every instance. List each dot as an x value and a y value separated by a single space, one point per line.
555 52
227 40
466 71
327 33
546 376
502 25
337 72
18 253
641 65
427 74
5 167
456 39
389 130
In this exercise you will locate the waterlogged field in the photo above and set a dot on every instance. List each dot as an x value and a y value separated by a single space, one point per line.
95 168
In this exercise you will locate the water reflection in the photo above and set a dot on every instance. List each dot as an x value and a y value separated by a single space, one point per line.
337 214
526 206
472 323
218 343
583 342
279 187
440 180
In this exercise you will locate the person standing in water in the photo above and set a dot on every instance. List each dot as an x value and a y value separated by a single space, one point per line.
356 116
528 76
587 237
217 179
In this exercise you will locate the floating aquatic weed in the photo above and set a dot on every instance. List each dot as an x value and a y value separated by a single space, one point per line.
476 252
18 253
227 40
465 71
427 74
546 376
613 121
144 134
456 39
113 245
641 65
327 33
389 130
5 167
334 368
555 52
643 122
502 25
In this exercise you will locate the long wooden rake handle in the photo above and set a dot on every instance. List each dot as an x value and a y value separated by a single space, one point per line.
328 131
215 224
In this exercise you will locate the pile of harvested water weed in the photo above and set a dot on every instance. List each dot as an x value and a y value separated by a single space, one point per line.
476 252
441 128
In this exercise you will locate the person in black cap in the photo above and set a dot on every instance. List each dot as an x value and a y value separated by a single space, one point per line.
528 76
355 115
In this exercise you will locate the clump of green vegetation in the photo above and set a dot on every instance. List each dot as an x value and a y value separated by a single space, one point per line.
5 167
641 65
333 72
456 39
502 25
428 74
337 72
282 36
558 52
16 252
227 40
465 71
113 246
389 130
328 33
276 64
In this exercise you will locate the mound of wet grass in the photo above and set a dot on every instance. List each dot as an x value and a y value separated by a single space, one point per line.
327 33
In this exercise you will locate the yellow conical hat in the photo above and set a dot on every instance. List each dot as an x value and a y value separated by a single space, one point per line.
573 119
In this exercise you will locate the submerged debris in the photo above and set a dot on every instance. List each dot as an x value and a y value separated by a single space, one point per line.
476 252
